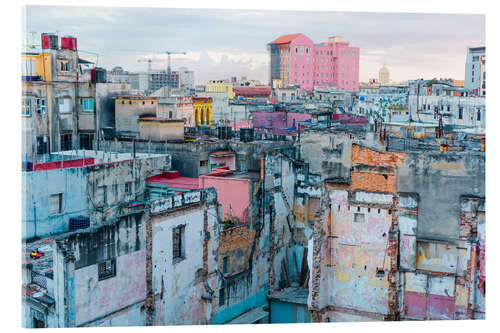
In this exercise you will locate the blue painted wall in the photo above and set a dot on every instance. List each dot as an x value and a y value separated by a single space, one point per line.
229 313
292 269
38 186
284 313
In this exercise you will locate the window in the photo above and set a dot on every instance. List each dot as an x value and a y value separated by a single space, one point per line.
359 217
128 187
55 203
460 113
224 265
41 106
64 105
204 163
106 269
28 67
26 106
66 143
42 145
101 197
88 104
178 243
86 141
65 66
296 50
222 298
479 114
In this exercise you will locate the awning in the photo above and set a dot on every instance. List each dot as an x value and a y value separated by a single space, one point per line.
250 317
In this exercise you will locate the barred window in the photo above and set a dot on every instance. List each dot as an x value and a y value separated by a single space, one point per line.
107 269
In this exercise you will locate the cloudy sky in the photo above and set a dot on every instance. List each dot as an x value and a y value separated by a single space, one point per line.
224 43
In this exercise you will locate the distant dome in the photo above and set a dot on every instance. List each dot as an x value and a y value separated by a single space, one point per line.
384 69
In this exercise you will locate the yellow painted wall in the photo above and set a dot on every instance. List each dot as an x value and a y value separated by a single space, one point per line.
204 108
42 64
220 87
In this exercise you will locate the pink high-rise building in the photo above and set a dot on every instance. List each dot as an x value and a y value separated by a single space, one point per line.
296 60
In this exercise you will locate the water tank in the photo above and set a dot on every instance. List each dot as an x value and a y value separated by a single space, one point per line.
79 222
50 41
246 134
224 132
68 43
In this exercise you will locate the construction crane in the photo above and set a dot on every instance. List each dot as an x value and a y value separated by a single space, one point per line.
169 69
149 61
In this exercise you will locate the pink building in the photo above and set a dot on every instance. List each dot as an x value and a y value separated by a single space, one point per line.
296 60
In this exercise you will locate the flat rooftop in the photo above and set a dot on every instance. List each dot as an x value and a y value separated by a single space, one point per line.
99 156
187 183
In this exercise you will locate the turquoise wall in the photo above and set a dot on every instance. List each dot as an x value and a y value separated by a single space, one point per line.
285 313
229 313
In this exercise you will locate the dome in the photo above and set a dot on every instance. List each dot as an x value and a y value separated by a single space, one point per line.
384 69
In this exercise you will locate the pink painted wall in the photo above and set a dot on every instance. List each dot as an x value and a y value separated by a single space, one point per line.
415 305
231 192
335 65
301 65
95 298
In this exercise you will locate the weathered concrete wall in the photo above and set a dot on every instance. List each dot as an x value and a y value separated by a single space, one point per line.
128 110
161 131
84 299
440 179
37 187
94 298
112 178
355 256
179 285
329 155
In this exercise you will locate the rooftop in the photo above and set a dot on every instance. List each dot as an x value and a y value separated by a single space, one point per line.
163 120
291 295
174 181
43 264
285 39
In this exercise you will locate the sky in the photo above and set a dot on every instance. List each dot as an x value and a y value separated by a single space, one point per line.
224 43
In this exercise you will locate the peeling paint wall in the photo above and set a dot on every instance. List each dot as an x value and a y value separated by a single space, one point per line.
179 284
82 298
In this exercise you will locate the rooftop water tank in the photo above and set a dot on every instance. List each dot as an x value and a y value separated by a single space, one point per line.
50 41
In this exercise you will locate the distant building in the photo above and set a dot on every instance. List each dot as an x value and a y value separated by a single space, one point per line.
296 60
383 75
202 111
220 86
472 64
220 105
458 83
65 103
186 78
482 76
